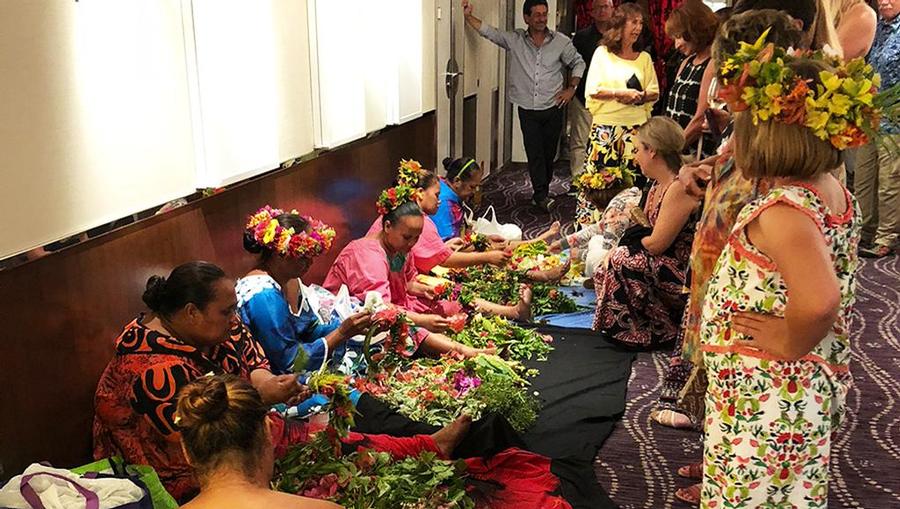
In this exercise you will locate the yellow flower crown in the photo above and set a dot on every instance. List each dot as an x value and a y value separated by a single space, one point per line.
607 178
410 173
266 231
842 110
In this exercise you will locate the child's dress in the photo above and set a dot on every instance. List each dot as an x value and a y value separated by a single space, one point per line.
769 422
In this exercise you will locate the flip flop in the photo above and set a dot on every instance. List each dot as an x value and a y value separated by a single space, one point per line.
689 495
692 471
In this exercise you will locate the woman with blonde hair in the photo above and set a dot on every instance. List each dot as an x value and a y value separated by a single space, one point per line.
640 298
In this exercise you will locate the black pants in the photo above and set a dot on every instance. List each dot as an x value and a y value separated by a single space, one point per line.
540 133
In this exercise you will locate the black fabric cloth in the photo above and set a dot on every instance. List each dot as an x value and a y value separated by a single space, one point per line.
633 236
585 42
540 134
582 389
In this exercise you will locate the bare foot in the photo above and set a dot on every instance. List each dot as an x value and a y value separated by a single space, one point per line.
553 231
523 308
448 437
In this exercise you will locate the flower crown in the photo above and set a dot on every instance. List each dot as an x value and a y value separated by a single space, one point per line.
266 231
841 110
608 178
393 197
410 173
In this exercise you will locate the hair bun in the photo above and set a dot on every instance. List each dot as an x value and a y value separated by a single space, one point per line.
203 402
250 243
154 292
447 162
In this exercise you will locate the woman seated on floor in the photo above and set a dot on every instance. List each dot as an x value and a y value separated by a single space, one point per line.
640 296
431 250
230 440
192 331
458 185
594 242
382 262
268 300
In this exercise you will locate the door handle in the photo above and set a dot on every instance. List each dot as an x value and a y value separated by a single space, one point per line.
452 75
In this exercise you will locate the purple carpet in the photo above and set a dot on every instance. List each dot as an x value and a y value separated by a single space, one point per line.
637 463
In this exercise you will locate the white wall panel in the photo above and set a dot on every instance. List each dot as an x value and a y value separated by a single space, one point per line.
95 119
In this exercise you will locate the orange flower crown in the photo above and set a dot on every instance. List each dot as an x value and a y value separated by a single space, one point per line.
393 197
268 233
843 110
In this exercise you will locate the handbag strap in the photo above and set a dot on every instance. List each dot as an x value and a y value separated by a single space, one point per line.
92 501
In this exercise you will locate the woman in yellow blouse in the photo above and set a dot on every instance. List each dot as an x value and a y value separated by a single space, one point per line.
621 88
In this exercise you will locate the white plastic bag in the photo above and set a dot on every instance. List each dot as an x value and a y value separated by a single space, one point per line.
490 226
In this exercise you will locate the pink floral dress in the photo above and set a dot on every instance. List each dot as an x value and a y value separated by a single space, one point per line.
769 422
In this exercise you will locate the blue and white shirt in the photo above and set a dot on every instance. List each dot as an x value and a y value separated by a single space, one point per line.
264 310
883 57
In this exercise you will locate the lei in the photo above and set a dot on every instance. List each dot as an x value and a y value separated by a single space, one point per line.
841 110
268 233
393 197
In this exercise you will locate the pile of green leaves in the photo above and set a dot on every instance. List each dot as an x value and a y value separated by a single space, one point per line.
437 391
371 480
512 342
501 286
547 300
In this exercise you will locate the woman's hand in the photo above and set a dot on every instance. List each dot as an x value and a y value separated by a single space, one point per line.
497 258
629 96
434 323
455 244
282 389
469 352
356 324
694 178
767 333
555 246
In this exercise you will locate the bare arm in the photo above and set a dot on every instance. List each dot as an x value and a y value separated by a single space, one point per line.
674 213
695 126
467 259
796 246
857 31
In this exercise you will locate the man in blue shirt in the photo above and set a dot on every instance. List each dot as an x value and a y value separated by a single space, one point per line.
538 60
877 180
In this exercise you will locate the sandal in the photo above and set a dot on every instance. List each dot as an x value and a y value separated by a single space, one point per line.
689 495
671 419
692 471
876 252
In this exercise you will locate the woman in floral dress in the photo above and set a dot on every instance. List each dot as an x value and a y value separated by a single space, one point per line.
640 289
777 366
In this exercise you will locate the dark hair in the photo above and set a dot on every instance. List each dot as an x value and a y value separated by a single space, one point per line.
460 169
724 14
526 9
748 26
286 220
221 414
612 37
189 282
409 208
694 22
803 10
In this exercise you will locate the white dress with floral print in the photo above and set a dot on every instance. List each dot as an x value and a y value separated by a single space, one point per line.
769 422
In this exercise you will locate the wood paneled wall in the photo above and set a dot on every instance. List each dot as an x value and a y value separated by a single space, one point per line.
61 313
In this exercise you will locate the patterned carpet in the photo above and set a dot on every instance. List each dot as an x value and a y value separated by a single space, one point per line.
637 463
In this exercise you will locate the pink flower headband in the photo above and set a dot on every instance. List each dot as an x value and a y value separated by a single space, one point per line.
266 231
